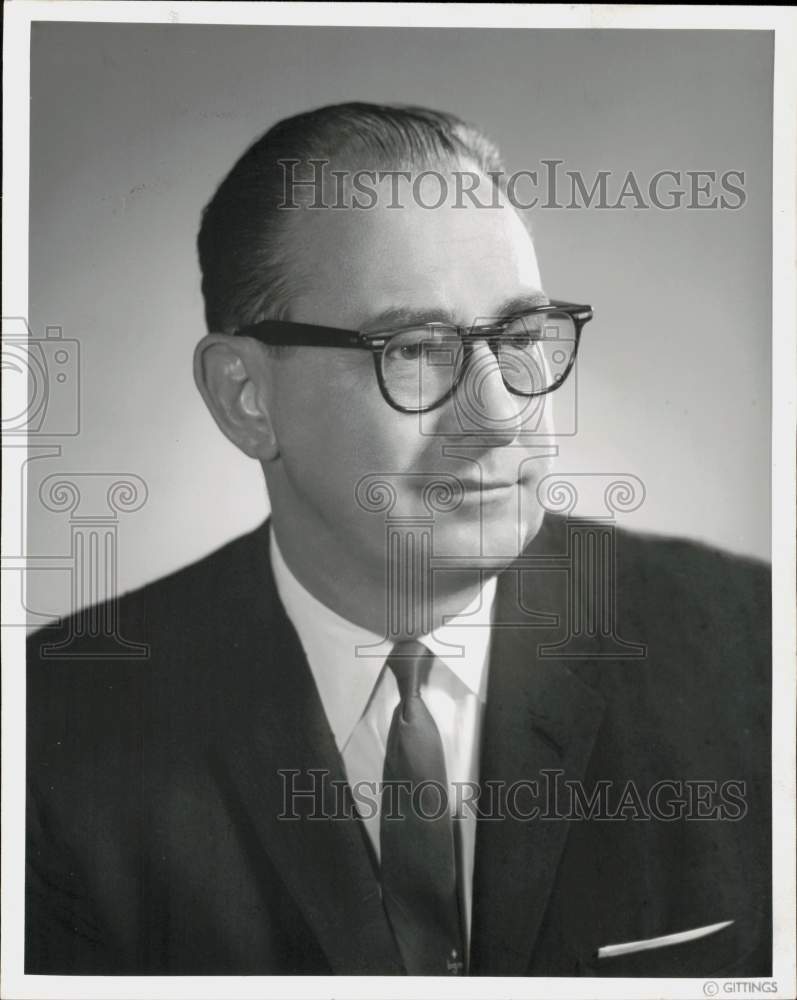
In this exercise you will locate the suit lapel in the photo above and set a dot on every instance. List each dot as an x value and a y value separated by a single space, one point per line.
539 717
277 738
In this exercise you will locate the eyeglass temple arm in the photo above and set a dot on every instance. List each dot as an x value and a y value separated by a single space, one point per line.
581 312
272 331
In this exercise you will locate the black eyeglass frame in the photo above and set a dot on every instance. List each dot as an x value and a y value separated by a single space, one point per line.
273 332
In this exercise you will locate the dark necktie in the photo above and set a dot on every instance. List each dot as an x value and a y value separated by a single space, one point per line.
418 866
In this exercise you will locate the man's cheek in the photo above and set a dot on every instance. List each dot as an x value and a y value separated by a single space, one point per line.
538 418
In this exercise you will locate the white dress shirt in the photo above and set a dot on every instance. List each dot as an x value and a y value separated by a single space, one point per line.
360 694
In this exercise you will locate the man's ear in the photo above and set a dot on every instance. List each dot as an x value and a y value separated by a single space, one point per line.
231 374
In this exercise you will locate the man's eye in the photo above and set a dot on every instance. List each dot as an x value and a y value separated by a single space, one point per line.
420 346
521 333
519 339
411 352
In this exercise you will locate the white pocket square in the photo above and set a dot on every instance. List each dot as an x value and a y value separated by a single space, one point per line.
629 947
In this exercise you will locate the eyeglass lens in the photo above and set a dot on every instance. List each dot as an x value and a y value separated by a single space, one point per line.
534 352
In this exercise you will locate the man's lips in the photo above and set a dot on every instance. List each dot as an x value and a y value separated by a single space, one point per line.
495 484
488 484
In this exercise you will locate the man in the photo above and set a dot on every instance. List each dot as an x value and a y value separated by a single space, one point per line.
376 735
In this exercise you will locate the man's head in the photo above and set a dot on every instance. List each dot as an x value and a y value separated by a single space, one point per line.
250 267
315 416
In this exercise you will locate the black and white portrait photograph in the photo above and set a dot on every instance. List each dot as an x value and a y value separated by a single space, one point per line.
398 523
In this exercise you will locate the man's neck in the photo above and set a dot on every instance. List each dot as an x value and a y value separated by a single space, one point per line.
362 593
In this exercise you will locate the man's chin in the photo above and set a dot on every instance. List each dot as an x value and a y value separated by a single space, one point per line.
490 545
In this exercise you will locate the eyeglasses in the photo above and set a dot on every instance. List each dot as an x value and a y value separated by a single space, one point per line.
419 367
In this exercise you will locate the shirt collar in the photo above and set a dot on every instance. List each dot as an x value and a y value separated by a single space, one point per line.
346 660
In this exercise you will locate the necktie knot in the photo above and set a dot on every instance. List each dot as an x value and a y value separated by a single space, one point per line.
410 662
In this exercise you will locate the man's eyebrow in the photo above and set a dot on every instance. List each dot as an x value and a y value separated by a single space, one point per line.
401 316
395 317
520 303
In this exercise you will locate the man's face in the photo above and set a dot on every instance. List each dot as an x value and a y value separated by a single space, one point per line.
367 270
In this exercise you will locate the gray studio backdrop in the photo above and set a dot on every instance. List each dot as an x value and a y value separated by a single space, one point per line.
132 126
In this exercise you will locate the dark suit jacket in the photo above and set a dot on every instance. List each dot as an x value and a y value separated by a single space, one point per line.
155 843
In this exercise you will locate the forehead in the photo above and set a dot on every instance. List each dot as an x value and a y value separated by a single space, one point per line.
464 259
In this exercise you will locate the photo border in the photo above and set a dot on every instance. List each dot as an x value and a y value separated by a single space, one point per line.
16 77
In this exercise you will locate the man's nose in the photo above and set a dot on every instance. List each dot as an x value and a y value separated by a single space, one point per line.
482 403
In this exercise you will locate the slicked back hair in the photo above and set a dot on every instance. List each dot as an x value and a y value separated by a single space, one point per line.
244 244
